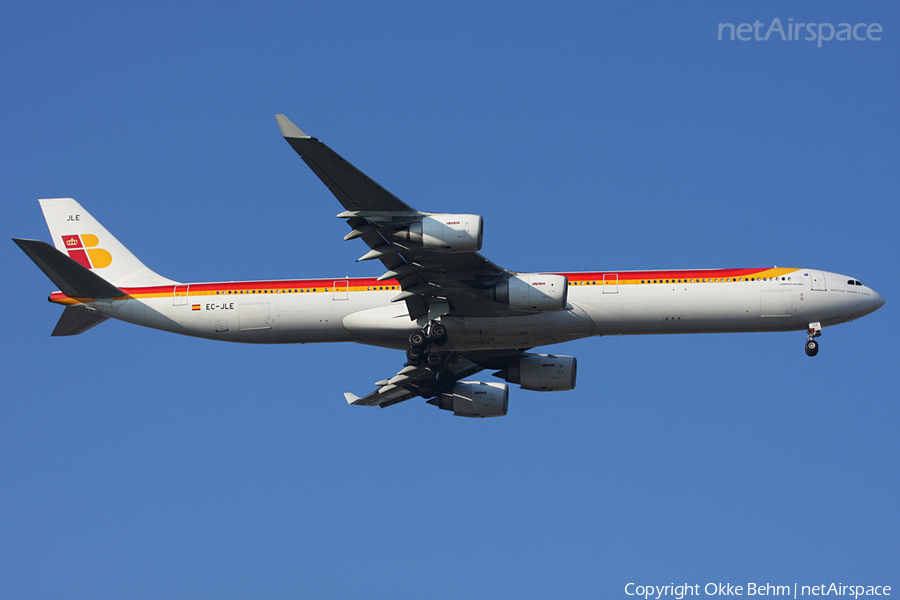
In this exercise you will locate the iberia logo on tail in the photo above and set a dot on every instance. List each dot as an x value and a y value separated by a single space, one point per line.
82 250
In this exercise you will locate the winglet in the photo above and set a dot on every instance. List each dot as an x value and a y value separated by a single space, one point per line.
351 398
288 129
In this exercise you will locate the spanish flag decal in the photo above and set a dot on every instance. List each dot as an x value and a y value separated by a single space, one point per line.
195 307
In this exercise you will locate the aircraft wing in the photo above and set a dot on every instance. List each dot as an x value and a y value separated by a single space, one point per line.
406 383
461 279
353 189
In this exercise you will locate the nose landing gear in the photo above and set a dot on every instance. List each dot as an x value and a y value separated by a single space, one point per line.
814 331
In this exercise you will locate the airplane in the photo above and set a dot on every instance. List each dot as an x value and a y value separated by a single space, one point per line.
451 310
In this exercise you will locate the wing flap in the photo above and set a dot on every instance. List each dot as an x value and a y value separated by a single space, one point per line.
375 398
405 384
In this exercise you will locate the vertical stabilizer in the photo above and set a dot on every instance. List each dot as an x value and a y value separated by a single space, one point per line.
82 238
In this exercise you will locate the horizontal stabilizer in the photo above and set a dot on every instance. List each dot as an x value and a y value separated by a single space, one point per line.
71 278
77 319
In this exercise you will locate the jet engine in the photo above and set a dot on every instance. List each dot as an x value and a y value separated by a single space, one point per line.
475 399
541 372
446 233
533 292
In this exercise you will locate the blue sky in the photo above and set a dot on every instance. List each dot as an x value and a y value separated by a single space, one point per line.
138 464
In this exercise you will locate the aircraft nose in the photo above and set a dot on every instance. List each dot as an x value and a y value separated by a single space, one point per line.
877 300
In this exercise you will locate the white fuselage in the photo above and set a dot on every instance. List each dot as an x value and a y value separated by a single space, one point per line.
601 303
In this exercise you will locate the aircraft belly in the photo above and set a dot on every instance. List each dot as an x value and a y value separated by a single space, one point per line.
128 310
525 331
695 308
387 325
267 318
307 319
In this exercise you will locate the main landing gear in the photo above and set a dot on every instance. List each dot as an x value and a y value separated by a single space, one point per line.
420 343
421 351
812 346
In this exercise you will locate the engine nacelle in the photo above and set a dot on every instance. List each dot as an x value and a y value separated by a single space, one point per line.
534 292
542 372
446 233
475 399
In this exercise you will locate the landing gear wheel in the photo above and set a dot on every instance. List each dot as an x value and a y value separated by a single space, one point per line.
418 340
415 355
428 388
435 359
812 347
438 334
446 379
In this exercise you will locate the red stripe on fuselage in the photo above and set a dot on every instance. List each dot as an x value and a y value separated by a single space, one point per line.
357 282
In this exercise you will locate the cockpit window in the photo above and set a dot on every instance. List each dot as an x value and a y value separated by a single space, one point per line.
858 283
853 282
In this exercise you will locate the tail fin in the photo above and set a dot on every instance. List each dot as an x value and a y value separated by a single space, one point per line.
82 238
